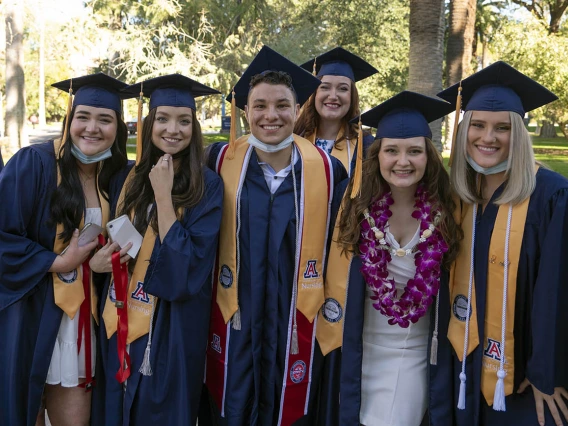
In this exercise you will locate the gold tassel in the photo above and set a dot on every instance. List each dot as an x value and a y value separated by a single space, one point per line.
139 126
456 123
233 131
358 173
314 69
294 350
68 115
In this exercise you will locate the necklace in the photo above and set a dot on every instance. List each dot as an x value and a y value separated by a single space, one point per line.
84 178
376 254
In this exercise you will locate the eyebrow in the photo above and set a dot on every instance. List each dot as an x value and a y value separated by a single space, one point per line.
103 115
168 115
477 120
278 100
392 145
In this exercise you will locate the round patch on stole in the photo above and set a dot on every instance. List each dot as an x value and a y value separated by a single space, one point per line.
331 310
298 371
460 307
68 277
112 292
226 276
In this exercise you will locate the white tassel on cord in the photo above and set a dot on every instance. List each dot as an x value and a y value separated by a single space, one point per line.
461 397
236 321
146 368
463 377
499 396
434 344
294 345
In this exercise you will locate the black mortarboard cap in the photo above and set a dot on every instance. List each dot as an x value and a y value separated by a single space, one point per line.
405 115
97 90
339 61
174 90
499 87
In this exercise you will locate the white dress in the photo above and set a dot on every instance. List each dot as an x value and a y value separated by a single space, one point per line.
67 365
394 371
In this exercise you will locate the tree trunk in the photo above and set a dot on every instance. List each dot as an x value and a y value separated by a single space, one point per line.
15 84
427 53
547 130
41 88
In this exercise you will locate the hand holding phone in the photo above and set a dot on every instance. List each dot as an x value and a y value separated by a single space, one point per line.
87 234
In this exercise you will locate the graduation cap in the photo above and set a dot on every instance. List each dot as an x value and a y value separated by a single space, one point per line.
96 90
405 115
498 87
174 90
303 83
339 61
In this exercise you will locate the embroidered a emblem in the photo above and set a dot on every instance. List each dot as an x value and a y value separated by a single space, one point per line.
139 294
493 349
216 343
311 271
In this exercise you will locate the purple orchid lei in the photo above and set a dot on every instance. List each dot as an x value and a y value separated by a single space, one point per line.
376 255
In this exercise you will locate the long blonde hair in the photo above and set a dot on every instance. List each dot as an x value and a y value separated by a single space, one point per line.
520 177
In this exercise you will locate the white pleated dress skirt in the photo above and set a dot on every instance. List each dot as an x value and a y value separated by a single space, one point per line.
67 363
394 372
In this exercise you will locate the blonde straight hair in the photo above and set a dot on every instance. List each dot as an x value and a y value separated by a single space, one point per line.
520 175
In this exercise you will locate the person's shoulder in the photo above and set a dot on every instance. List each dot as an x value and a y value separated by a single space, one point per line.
210 177
42 152
212 153
549 182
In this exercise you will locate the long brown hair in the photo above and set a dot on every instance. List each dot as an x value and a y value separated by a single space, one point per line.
188 187
309 118
437 183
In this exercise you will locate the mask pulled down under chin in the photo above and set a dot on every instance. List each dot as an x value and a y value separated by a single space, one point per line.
252 140
90 159
501 167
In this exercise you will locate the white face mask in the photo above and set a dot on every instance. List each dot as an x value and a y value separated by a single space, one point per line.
501 167
90 159
252 140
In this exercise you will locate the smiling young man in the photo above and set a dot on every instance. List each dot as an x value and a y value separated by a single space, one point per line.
263 363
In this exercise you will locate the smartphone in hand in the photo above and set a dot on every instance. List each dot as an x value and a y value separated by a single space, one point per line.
87 234
122 231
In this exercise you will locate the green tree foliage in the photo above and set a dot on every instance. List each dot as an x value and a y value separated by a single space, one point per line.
543 56
549 12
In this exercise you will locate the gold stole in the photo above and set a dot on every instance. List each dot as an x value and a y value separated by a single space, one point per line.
140 303
313 230
330 332
68 287
459 281
340 150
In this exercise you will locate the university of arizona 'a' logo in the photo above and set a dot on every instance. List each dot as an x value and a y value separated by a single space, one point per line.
493 349
311 271
216 343
139 294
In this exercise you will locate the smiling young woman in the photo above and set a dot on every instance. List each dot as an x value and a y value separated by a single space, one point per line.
507 326
48 192
390 247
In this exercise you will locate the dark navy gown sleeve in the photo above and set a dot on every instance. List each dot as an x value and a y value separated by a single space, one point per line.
1 161
184 259
24 262
547 365
211 154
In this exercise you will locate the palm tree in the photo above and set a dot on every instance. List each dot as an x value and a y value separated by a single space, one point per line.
426 54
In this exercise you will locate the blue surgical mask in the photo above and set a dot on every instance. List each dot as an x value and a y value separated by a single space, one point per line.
270 148
501 167
90 159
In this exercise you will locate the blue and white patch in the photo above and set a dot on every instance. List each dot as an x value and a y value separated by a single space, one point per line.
331 310
139 293
68 277
459 308
298 371
226 276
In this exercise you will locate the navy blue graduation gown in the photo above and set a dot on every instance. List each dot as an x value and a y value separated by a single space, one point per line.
341 391
1 162
179 275
541 316
29 318
267 250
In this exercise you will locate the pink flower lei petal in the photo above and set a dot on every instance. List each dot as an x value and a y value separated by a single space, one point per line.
417 294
